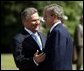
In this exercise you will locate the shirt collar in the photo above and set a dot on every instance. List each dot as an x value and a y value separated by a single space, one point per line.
55 25
30 32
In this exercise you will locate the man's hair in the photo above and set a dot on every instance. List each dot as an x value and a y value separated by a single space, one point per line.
28 12
55 9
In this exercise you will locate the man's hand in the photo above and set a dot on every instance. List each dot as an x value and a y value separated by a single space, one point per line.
39 57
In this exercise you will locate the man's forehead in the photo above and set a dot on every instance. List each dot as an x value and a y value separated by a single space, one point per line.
35 15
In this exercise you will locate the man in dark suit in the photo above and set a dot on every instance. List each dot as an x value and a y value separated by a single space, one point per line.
59 44
27 51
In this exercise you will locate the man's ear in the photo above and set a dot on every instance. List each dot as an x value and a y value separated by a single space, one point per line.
54 16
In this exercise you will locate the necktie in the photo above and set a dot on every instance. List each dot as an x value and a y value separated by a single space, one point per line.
36 37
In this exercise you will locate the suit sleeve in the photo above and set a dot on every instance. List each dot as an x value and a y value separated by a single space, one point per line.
21 61
59 49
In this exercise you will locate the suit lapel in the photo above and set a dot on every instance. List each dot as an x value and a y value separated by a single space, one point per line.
34 42
30 38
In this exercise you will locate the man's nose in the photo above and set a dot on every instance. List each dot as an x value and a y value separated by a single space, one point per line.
38 22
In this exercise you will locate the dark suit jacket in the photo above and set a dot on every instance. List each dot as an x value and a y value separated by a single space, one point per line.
24 48
58 50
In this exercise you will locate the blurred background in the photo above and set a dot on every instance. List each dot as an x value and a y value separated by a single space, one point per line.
11 23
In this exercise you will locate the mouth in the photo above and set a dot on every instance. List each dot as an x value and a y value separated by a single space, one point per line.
36 26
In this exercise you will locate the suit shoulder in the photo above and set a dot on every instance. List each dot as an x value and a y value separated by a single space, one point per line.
62 31
19 37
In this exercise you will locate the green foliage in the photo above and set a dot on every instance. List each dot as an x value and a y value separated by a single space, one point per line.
11 22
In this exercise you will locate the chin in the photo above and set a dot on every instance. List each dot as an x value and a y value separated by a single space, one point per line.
37 28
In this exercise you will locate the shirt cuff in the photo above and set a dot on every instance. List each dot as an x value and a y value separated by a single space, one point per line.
35 62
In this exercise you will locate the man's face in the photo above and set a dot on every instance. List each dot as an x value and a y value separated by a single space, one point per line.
33 23
48 18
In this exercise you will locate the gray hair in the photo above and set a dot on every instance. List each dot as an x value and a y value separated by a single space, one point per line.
28 12
54 9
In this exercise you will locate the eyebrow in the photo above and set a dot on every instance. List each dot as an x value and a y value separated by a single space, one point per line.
35 19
